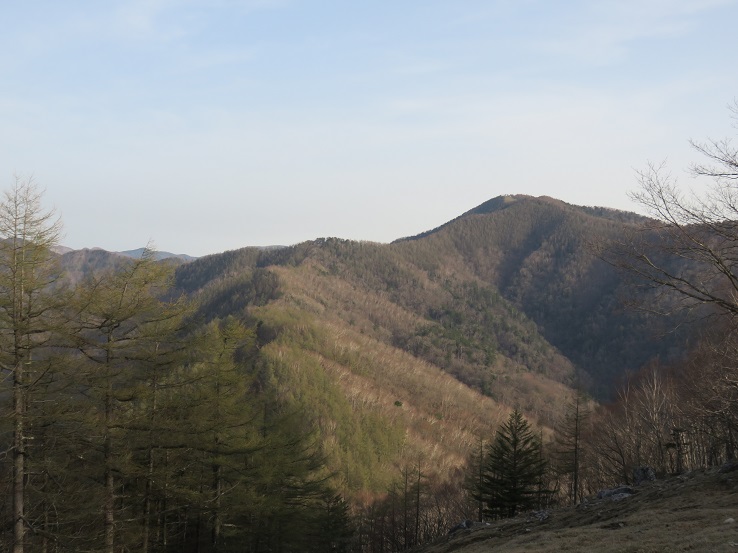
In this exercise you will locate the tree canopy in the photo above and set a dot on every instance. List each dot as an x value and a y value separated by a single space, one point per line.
512 479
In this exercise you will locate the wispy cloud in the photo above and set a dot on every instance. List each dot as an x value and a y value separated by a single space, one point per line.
140 18
602 33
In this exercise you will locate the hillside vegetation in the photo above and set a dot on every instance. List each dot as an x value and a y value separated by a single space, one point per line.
405 353
348 396
538 254
696 511
343 388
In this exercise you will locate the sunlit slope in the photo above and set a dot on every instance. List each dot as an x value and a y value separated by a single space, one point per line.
403 353
330 337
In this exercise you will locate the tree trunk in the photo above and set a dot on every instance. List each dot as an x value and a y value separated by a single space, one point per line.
109 479
217 491
19 460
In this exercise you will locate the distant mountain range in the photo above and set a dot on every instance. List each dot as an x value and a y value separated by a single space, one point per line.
135 254
138 252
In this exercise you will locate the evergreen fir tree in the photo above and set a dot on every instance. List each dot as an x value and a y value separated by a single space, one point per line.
513 470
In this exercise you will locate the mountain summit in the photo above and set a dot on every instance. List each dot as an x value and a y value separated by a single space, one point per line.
411 348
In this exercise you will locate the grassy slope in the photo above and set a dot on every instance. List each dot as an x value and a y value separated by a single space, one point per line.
685 513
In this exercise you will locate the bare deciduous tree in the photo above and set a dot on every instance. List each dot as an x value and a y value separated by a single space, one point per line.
687 255
688 251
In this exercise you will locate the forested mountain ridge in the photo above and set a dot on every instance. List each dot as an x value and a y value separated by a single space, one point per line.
372 340
538 254
522 260
218 399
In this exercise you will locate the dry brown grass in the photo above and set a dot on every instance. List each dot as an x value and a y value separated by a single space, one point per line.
687 513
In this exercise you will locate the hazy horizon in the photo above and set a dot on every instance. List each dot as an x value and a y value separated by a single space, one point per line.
209 126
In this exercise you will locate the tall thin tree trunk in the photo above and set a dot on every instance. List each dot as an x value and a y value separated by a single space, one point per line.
26 236
417 509
163 511
109 479
150 467
217 475
217 491
19 407
147 502
19 460
577 437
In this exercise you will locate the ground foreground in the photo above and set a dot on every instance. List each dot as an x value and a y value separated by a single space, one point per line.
697 511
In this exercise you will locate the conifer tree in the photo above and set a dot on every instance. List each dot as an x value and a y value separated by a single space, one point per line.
125 331
333 528
290 475
513 470
222 427
27 272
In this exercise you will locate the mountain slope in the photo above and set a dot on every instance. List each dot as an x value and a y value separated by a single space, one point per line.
691 512
405 353
331 315
537 253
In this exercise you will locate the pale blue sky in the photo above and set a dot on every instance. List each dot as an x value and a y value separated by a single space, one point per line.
211 125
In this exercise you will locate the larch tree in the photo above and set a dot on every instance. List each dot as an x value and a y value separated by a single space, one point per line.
213 430
126 332
568 447
226 427
28 232
475 477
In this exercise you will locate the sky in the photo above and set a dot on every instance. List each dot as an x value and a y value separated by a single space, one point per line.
205 126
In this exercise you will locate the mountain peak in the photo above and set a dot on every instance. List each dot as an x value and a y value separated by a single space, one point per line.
158 255
496 204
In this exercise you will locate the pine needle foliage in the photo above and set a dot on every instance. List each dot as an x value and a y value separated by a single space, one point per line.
514 469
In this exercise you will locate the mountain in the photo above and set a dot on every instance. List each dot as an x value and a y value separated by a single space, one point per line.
386 367
138 252
537 253
408 352
78 264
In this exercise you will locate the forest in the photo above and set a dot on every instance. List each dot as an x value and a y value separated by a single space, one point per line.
130 425
359 397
